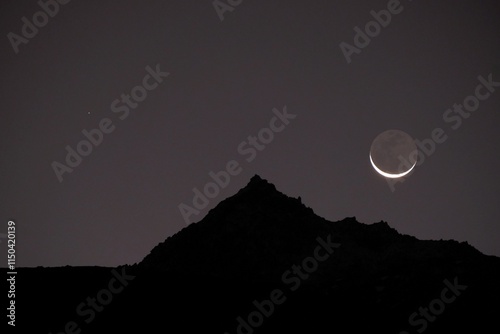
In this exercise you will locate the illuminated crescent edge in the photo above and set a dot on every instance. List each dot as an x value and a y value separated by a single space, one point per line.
391 176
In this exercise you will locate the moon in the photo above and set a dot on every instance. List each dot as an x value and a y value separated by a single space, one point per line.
393 154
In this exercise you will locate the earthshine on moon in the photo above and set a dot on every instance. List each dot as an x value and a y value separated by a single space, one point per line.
393 154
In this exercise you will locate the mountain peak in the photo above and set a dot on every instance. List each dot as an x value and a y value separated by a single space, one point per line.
253 228
261 194
256 178
258 183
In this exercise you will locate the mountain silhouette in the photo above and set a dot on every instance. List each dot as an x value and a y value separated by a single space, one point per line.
263 262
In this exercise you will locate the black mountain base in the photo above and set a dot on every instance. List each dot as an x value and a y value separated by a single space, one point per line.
262 262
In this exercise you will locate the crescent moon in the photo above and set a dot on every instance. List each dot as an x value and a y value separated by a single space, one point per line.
391 176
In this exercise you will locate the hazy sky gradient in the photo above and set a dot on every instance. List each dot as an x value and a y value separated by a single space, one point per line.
225 79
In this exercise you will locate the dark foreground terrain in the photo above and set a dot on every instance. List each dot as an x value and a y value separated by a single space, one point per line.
262 262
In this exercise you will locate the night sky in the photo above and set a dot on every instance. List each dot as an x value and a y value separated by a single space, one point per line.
228 80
